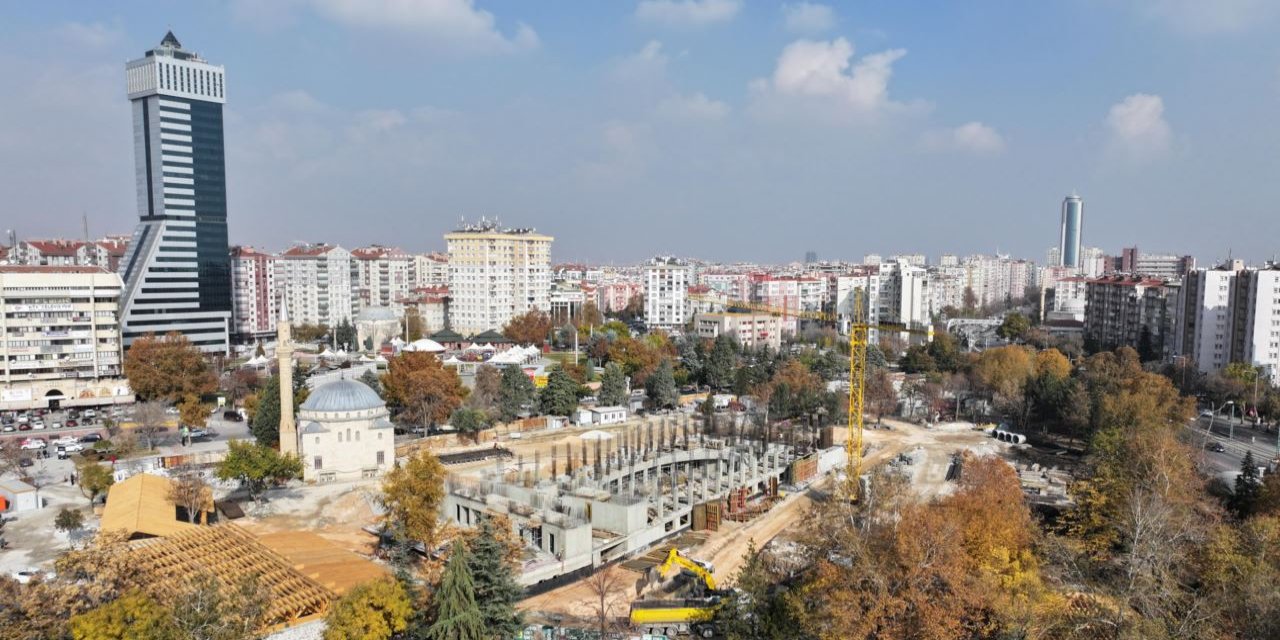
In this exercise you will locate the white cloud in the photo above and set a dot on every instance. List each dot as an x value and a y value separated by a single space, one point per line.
89 35
696 106
826 72
687 13
1138 128
1208 17
808 17
971 137
372 122
456 24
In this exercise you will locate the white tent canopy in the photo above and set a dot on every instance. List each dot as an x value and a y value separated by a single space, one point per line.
595 434
426 345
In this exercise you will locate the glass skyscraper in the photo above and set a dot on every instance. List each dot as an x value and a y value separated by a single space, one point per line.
177 270
1072 224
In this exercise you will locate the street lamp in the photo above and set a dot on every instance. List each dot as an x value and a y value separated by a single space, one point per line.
1214 415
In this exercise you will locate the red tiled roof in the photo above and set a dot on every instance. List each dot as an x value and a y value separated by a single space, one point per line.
247 252
375 251
307 250
56 247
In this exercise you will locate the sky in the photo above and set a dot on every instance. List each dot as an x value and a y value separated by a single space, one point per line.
721 129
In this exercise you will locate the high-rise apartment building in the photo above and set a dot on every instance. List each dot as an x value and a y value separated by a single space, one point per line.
381 276
1127 311
496 274
314 280
430 270
177 271
1155 265
253 298
666 290
1069 234
1230 314
60 337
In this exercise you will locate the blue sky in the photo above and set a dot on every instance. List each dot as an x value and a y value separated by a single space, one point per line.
725 129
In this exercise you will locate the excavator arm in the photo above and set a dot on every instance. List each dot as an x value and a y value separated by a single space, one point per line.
674 558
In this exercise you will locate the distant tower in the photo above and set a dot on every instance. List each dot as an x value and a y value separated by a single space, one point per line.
284 356
1072 226
810 257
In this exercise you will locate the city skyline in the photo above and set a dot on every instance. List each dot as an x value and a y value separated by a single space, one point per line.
674 130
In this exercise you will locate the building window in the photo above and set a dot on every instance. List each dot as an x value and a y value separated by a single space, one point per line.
319 463
381 458
317 439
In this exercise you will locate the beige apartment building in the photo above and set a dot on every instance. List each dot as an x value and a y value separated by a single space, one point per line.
61 337
496 274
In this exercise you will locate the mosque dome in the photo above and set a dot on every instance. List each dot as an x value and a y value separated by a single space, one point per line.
343 395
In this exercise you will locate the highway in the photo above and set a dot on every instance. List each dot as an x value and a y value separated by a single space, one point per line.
1246 438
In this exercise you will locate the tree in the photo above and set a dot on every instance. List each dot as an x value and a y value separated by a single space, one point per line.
376 610
371 380
256 467
487 392
456 613
613 385
427 391
1248 489
469 421
719 369
415 325
753 610
68 520
945 352
189 491
531 327
917 360
492 569
517 391
239 383
879 396
212 609
603 586
661 387
1014 328
149 420
93 478
412 494
344 335
133 616
560 396
265 425
192 412
794 390
168 368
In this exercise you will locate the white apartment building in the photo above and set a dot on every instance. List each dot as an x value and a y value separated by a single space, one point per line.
380 276
751 330
997 279
666 288
1230 314
496 274
253 293
735 286
946 287
60 337
430 270
314 281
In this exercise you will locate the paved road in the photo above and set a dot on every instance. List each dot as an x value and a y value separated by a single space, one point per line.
1235 438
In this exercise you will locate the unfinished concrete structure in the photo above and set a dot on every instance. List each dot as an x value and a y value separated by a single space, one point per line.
612 498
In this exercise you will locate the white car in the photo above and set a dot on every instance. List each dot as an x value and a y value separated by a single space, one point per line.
38 424
74 447
55 425
66 440
89 414
28 445
25 577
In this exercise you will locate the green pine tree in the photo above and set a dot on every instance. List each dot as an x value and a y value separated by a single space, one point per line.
266 420
517 390
719 367
371 379
661 387
1248 487
496 589
457 617
613 385
560 396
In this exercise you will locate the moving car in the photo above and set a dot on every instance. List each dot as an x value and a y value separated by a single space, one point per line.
1206 414
1215 447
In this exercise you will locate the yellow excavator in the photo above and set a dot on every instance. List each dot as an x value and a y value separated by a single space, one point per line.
694 614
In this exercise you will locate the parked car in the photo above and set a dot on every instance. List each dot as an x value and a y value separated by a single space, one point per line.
55 425
34 443
24 427
37 424
91 438
25 462
9 427
89 414
65 440
74 447
232 415
72 423
201 433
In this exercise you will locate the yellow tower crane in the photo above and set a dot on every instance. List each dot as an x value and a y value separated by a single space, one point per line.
859 331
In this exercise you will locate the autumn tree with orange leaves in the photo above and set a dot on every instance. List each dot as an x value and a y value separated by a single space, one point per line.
423 388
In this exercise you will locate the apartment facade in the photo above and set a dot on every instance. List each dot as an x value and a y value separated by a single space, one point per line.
314 282
253 294
666 289
60 337
496 274
1230 314
430 270
751 330
380 276
1126 311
